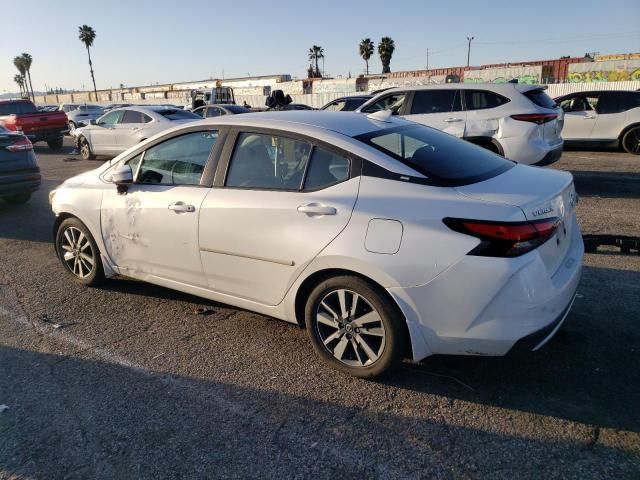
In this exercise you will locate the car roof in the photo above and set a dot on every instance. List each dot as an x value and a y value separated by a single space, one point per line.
346 123
598 92
496 87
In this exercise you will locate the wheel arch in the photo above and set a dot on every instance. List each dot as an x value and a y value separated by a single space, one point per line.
489 143
625 130
315 278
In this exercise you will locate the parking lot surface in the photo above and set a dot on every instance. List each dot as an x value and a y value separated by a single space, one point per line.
129 381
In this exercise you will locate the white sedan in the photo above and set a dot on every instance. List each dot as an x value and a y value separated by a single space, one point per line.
385 238
119 129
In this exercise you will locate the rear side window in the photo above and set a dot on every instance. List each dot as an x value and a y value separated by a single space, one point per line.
9 108
540 98
435 101
618 102
336 106
443 158
326 168
268 162
177 114
132 116
481 99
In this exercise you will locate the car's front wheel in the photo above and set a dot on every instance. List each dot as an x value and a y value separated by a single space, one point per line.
85 149
354 328
631 141
72 126
78 252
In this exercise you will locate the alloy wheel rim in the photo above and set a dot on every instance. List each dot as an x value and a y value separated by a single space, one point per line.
350 328
77 252
84 149
633 144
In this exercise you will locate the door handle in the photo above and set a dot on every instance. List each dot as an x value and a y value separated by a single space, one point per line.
592 117
181 207
316 209
451 120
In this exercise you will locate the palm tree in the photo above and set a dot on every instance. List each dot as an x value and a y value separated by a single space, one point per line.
19 64
87 35
316 53
27 61
385 50
20 81
366 50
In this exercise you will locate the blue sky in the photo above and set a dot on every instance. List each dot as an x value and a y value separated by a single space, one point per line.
145 41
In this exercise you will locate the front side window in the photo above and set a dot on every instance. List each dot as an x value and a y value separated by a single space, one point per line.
268 161
110 118
435 101
391 102
481 99
336 106
177 161
439 156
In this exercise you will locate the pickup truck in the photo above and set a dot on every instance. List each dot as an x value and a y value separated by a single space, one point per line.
22 116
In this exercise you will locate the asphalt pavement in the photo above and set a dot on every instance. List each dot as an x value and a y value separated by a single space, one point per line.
129 381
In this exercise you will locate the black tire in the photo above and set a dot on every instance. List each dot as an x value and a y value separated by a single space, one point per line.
72 126
631 141
18 198
85 149
389 347
56 144
78 266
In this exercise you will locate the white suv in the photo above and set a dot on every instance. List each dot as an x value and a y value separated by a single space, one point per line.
520 122
603 118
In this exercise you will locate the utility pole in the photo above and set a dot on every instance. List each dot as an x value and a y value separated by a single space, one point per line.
469 49
427 59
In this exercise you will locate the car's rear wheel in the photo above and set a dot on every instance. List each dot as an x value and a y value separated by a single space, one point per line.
354 328
78 252
631 141
18 198
56 144
85 149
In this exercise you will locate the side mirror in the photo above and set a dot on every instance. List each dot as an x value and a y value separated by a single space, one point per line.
122 174
93 122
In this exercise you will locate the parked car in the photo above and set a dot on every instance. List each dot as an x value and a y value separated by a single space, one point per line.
119 129
68 107
209 111
602 118
346 104
520 122
83 115
22 116
19 171
386 238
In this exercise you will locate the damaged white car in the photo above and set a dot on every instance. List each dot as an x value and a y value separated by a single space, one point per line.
385 238
519 122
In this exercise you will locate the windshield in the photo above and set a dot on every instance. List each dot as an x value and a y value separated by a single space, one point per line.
9 108
446 160
176 114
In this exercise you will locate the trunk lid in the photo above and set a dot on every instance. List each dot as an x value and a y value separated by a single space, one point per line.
540 193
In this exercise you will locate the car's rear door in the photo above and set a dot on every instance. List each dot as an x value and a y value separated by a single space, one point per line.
278 200
437 108
128 127
611 111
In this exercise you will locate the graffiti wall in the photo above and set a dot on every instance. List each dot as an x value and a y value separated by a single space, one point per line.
529 75
606 71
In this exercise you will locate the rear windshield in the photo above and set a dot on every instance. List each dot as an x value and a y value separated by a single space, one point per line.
444 159
9 108
540 98
177 114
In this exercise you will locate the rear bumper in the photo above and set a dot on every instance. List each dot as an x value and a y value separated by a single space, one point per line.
485 306
13 184
551 157
46 135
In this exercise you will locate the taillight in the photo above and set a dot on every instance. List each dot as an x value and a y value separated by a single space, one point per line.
538 118
21 145
505 239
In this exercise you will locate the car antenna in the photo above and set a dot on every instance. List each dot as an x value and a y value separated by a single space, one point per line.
381 116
